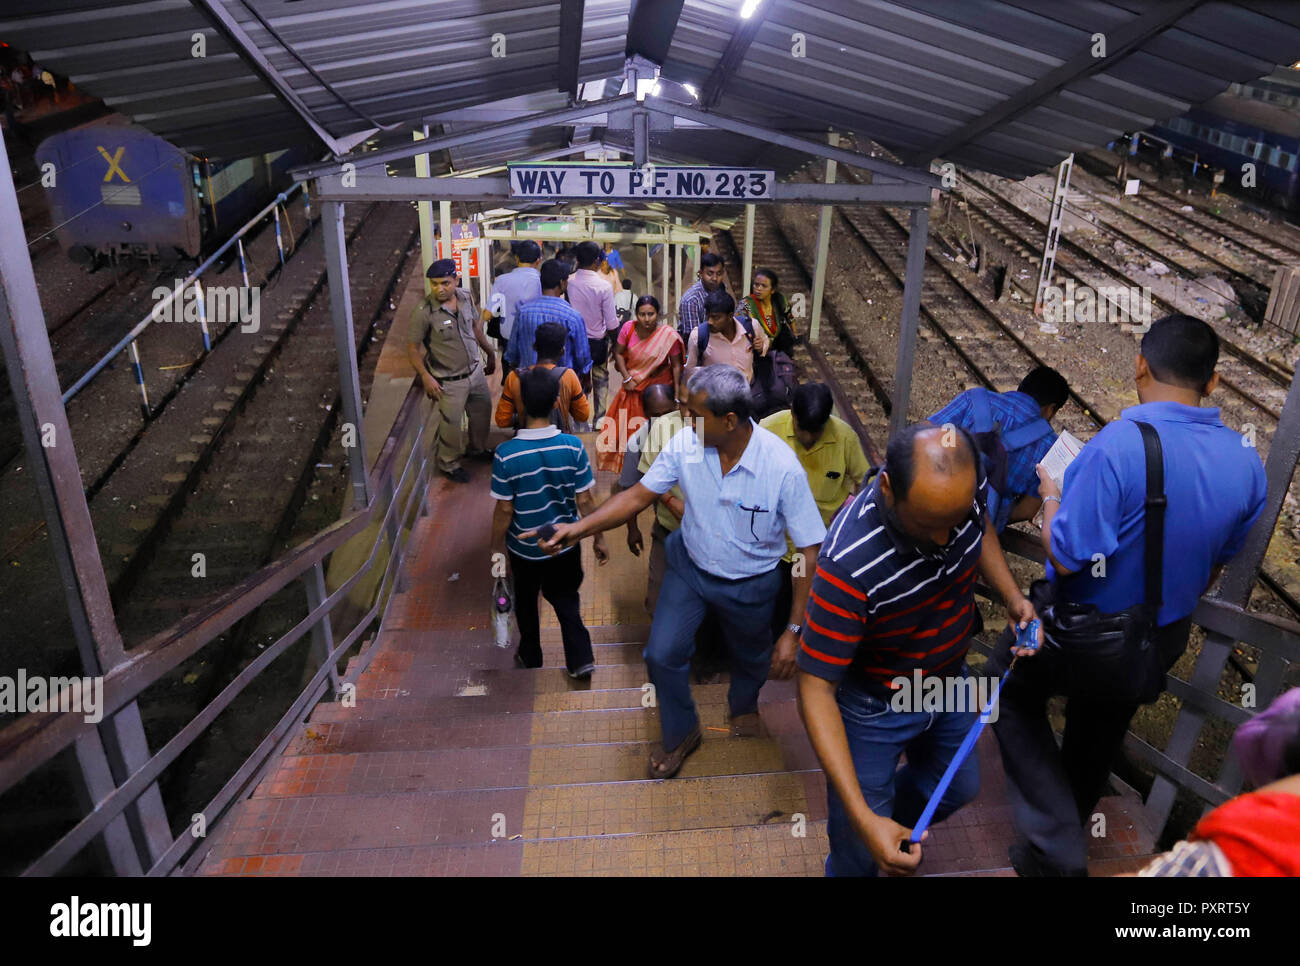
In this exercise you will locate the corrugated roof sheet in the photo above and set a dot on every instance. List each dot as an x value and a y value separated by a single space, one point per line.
910 74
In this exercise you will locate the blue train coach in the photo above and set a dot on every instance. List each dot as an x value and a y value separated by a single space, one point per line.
120 191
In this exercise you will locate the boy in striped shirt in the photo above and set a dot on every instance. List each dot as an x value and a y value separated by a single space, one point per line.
893 598
541 477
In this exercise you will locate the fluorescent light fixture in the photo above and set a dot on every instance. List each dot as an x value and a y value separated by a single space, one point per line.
748 9
690 89
654 91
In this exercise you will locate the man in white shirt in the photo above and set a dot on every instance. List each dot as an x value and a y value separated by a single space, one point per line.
524 282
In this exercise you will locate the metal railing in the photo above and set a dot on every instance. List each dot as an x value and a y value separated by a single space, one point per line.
398 484
128 341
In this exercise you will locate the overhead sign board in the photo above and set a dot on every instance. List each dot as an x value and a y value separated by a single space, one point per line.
653 182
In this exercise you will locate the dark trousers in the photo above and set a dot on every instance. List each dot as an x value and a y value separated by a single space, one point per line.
558 580
1054 790
744 611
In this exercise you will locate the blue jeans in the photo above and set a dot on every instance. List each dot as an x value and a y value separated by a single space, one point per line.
878 736
744 609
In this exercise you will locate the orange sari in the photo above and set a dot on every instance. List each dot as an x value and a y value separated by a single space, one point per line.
647 364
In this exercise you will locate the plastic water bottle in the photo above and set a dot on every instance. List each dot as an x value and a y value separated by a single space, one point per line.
502 605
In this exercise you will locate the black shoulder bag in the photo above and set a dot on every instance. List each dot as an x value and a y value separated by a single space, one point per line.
1111 657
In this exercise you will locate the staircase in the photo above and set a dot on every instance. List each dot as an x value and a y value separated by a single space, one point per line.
454 762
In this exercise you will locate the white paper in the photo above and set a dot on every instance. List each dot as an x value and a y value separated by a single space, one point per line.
1061 455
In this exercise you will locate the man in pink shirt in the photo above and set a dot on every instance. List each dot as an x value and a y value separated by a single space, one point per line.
591 295
729 343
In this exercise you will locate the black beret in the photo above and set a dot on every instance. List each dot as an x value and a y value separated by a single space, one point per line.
442 268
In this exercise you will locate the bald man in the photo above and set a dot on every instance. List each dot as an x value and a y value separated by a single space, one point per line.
892 605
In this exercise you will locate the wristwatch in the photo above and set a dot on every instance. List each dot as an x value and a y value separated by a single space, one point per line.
796 628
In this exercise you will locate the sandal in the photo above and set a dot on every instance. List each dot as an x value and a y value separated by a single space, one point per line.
666 764
746 725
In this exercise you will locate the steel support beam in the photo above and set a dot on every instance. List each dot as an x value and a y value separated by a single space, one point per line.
824 218
918 235
494 188
1234 588
235 35
677 270
649 274
732 57
120 746
445 250
425 210
819 149
488 132
641 138
345 346
570 56
747 272
1159 16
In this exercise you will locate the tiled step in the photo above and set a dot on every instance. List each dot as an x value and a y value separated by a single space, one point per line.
753 850
374 820
458 768
497 730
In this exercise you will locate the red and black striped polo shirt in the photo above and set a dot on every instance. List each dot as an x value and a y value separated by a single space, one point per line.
879 608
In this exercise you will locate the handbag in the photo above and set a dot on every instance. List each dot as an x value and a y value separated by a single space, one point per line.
1112 657
494 328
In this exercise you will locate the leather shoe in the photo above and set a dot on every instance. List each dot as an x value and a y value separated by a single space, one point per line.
458 475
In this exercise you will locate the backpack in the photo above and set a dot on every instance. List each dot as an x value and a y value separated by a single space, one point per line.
702 336
994 445
559 418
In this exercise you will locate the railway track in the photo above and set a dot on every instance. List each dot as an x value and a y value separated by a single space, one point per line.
1268 247
1276 587
1259 385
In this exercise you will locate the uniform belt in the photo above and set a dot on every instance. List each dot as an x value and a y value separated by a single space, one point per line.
463 375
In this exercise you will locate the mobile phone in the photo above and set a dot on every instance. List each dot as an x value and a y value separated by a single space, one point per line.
1028 636
545 532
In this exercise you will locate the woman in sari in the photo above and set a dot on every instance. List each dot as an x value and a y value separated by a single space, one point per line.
766 306
647 352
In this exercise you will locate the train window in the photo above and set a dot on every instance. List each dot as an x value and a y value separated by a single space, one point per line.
1252 148
1286 160
1273 156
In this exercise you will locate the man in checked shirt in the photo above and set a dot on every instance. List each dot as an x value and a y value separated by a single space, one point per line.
894 593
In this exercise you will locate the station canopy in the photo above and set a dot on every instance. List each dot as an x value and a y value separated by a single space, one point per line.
1006 86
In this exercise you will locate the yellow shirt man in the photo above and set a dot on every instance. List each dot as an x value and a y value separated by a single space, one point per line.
835 464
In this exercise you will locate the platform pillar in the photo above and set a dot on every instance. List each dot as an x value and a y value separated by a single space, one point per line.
823 250
747 270
918 234
428 244
345 346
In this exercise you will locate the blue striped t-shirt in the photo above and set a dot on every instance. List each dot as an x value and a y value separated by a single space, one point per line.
541 471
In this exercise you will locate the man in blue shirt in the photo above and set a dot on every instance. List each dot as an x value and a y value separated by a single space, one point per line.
745 491
1093 530
550 307
515 287
1023 420
540 477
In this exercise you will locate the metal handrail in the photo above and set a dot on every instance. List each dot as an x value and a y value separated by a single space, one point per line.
33 740
176 293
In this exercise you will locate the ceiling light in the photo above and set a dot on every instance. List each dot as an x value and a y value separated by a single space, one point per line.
748 9
690 89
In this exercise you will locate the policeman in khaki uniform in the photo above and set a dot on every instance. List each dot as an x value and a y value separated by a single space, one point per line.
444 339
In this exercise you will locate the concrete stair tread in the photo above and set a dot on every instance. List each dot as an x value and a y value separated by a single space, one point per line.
461 769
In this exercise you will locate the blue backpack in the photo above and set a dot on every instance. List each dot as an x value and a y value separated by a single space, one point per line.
993 444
